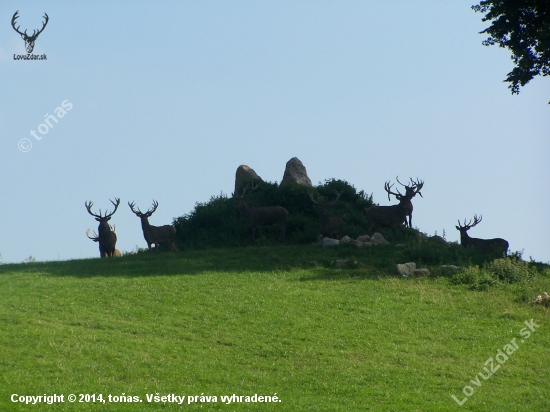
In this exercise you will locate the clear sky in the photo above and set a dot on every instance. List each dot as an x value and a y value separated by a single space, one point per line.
169 98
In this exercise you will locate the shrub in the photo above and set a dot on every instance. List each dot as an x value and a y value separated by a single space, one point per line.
511 270
217 224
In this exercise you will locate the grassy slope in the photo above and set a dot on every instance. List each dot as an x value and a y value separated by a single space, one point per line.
262 320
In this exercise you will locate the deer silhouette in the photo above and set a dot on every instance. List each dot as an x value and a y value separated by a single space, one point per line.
155 234
258 216
106 237
29 40
484 246
392 216
328 226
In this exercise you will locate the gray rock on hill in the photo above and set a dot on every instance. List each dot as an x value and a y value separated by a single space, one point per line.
244 175
295 172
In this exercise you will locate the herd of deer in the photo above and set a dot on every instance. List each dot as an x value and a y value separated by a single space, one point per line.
377 217
156 235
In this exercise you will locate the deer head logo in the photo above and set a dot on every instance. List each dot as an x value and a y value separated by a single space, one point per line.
29 40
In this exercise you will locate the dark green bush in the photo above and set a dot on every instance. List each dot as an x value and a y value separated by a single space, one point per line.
217 224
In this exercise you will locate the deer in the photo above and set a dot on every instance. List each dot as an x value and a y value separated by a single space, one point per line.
106 237
155 234
29 40
392 216
484 246
258 216
328 226
95 238
410 192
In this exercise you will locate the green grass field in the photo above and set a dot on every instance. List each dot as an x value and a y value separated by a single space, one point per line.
266 321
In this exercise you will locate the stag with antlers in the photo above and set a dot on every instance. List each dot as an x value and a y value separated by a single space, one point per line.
328 226
410 192
155 234
392 216
258 216
95 238
484 246
106 237
29 40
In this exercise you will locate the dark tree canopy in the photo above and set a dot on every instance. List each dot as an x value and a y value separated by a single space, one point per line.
522 26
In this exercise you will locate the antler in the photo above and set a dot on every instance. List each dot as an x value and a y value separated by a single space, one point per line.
155 205
34 33
387 188
43 27
95 238
139 212
89 205
470 225
414 187
15 16
310 194
250 186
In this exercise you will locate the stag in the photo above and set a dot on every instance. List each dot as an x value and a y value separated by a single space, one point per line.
95 238
328 226
392 216
484 246
258 216
106 237
155 234
410 192
29 40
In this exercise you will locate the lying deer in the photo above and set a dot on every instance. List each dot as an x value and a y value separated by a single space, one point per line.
106 237
95 238
258 216
392 216
155 234
485 246
328 226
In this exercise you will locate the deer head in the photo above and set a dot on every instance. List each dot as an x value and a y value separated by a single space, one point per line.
29 40
410 191
326 204
466 227
102 219
142 215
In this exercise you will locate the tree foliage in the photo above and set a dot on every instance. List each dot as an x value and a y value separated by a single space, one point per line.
523 27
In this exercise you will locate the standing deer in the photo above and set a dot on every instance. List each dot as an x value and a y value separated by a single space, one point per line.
155 234
258 216
328 225
392 216
107 237
29 40
485 246
95 238
410 192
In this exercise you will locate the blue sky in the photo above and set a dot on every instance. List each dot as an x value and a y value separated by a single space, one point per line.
168 99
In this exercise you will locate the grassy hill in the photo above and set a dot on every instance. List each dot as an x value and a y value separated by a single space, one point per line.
280 321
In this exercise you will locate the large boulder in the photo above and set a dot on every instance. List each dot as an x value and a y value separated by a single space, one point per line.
295 172
244 175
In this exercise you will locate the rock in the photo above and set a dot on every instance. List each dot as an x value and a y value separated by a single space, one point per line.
379 239
330 242
358 244
406 269
421 272
346 239
296 173
244 175
450 267
364 238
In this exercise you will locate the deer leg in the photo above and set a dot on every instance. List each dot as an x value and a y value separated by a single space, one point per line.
283 231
